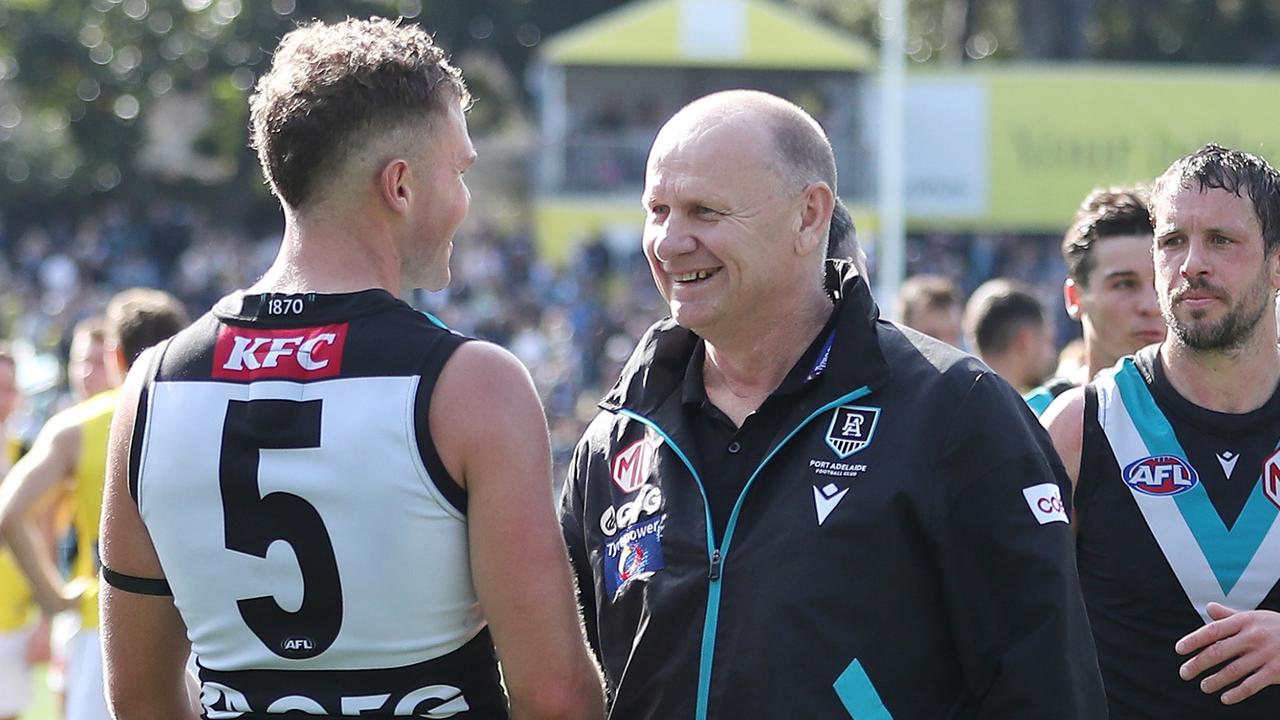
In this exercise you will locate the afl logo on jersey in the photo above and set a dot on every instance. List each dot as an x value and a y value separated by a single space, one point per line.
631 465
1161 475
310 353
297 645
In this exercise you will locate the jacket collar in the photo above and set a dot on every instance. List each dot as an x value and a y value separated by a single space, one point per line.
657 367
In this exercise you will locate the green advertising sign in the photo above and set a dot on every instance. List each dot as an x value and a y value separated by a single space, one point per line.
1055 133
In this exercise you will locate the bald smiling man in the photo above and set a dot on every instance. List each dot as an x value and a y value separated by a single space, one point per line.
787 507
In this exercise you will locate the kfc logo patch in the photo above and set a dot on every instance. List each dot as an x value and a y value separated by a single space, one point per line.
631 465
310 353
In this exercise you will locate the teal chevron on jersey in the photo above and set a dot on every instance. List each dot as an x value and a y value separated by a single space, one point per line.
1228 550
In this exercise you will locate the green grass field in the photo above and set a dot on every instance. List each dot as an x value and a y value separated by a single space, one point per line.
44 708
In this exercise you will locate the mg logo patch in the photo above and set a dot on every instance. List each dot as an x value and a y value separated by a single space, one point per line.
852 428
631 465
1271 478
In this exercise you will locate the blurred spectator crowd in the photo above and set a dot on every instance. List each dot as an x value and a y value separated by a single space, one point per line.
573 326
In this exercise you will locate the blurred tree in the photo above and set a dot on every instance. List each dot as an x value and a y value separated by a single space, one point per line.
131 98
955 31
138 98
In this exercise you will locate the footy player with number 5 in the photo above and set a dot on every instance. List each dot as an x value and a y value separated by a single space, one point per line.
305 482
1175 461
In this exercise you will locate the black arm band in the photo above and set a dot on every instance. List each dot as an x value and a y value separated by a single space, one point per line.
140 586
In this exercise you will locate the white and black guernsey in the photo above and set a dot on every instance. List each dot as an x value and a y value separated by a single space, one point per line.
1177 508
315 545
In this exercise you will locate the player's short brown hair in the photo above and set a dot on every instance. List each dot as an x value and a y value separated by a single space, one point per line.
138 318
1106 212
927 292
997 311
332 85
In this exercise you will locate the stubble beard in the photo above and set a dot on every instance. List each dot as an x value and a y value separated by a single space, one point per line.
1229 333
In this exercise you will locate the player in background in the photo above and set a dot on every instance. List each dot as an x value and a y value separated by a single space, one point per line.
68 460
842 239
87 376
342 504
88 359
1007 329
1110 285
933 305
17 616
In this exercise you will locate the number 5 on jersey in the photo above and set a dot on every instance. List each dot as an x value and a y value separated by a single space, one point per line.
252 522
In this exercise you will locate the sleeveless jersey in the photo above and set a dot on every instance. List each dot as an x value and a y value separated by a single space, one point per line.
93 417
315 545
1177 506
17 607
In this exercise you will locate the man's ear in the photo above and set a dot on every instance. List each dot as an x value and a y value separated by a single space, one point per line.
1273 258
393 185
1071 298
116 359
817 200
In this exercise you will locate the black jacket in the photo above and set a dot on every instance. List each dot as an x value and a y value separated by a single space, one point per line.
931 589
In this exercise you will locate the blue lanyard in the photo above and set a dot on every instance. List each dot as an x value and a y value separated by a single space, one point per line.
820 365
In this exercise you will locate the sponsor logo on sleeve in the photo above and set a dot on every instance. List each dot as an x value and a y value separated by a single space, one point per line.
1160 475
311 353
631 465
648 502
635 555
851 430
1045 501
1271 478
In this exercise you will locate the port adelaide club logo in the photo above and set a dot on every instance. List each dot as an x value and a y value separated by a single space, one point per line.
851 430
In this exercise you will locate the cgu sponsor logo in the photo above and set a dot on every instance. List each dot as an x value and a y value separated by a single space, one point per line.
1045 501
648 502
294 353
435 701
631 465
1161 475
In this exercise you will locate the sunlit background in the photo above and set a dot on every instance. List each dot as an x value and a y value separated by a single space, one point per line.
124 158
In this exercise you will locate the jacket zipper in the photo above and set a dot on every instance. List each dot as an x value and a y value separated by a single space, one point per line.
715 574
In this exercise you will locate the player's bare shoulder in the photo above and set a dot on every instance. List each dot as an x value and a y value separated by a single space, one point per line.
1064 419
484 397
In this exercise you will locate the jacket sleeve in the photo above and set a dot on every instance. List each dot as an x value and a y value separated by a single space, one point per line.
1008 566
572 513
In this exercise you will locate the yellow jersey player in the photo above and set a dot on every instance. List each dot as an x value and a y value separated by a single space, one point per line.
68 458
16 606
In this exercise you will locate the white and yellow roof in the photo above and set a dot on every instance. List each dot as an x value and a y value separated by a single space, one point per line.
708 33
